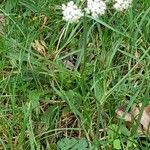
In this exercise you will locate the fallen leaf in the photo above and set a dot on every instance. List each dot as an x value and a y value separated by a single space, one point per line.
137 55
132 116
145 119
70 61
135 111
69 64
125 116
2 20
45 19
39 46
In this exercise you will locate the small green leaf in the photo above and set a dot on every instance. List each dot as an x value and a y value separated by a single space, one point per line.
34 97
124 130
112 131
129 142
117 144
72 144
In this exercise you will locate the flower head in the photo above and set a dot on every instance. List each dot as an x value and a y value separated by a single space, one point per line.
71 13
121 5
96 7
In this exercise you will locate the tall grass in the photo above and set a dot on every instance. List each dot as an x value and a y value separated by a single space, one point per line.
42 101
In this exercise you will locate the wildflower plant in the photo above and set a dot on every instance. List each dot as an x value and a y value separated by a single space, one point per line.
96 8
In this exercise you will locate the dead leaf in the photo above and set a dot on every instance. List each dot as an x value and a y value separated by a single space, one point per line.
70 61
132 116
69 64
145 119
137 55
2 20
45 19
39 46
125 116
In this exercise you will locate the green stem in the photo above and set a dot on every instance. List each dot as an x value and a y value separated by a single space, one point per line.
84 50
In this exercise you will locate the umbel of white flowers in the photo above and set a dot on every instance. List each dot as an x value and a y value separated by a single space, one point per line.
96 8
72 13
121 5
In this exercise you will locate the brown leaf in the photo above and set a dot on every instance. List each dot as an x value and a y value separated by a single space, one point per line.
2 20
137 55
45 19
69 64
39 46
125 116
145 119
135 111
134 114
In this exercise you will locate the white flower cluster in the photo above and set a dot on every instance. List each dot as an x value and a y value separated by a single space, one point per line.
71 13
121 5
96 7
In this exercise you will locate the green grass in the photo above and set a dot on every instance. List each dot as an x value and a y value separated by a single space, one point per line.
42 101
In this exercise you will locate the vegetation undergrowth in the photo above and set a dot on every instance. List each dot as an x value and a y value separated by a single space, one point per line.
61 83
